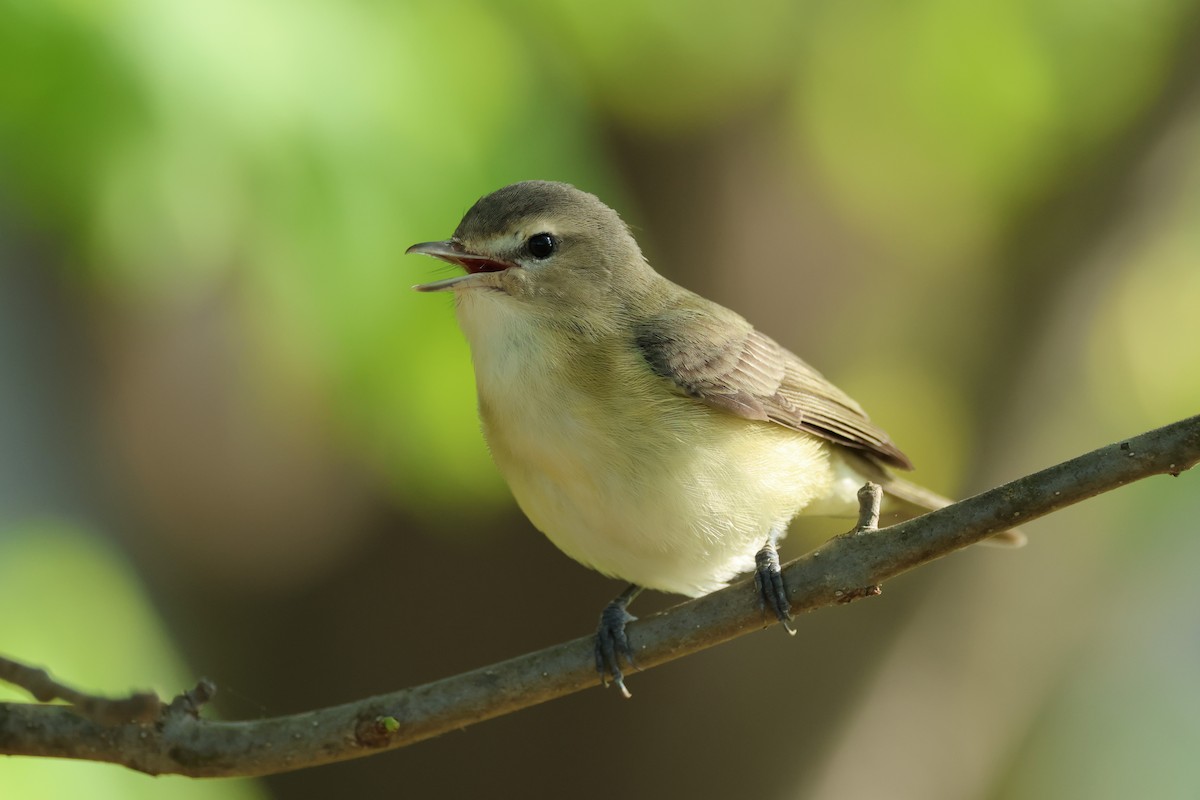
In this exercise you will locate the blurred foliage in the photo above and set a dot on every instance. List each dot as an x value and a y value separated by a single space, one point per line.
663 67
979 218
959 112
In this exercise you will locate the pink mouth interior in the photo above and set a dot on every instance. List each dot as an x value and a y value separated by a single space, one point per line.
474 265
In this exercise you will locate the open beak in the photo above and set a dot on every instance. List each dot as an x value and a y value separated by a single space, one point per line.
452 252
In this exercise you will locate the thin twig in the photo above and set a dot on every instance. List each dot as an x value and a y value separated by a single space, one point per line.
870 500
845 568
137 707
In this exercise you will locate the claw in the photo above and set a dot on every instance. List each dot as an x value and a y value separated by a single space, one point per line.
611 642
772 591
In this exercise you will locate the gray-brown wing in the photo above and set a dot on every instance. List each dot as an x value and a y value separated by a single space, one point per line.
717 357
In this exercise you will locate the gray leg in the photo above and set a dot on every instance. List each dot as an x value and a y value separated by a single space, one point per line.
772 592
611 642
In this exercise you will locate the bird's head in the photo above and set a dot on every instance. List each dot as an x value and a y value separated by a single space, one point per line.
547 245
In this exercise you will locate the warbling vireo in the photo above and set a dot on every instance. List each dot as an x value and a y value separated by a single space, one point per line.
651 434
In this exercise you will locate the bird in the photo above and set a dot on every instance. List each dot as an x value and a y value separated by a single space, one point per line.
651 434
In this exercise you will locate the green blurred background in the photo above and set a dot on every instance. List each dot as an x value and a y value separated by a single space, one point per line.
234 444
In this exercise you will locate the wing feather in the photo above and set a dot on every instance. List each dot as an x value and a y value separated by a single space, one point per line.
715 356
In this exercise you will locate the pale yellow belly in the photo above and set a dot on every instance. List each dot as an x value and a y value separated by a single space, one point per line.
680 502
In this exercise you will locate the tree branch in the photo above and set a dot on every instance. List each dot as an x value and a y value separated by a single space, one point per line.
843 569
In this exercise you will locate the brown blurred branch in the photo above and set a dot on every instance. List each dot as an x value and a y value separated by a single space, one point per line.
844 568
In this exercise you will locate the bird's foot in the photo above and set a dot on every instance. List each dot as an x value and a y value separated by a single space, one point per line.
611 642
772 591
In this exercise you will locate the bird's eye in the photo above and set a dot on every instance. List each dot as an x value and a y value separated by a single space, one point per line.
541 245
